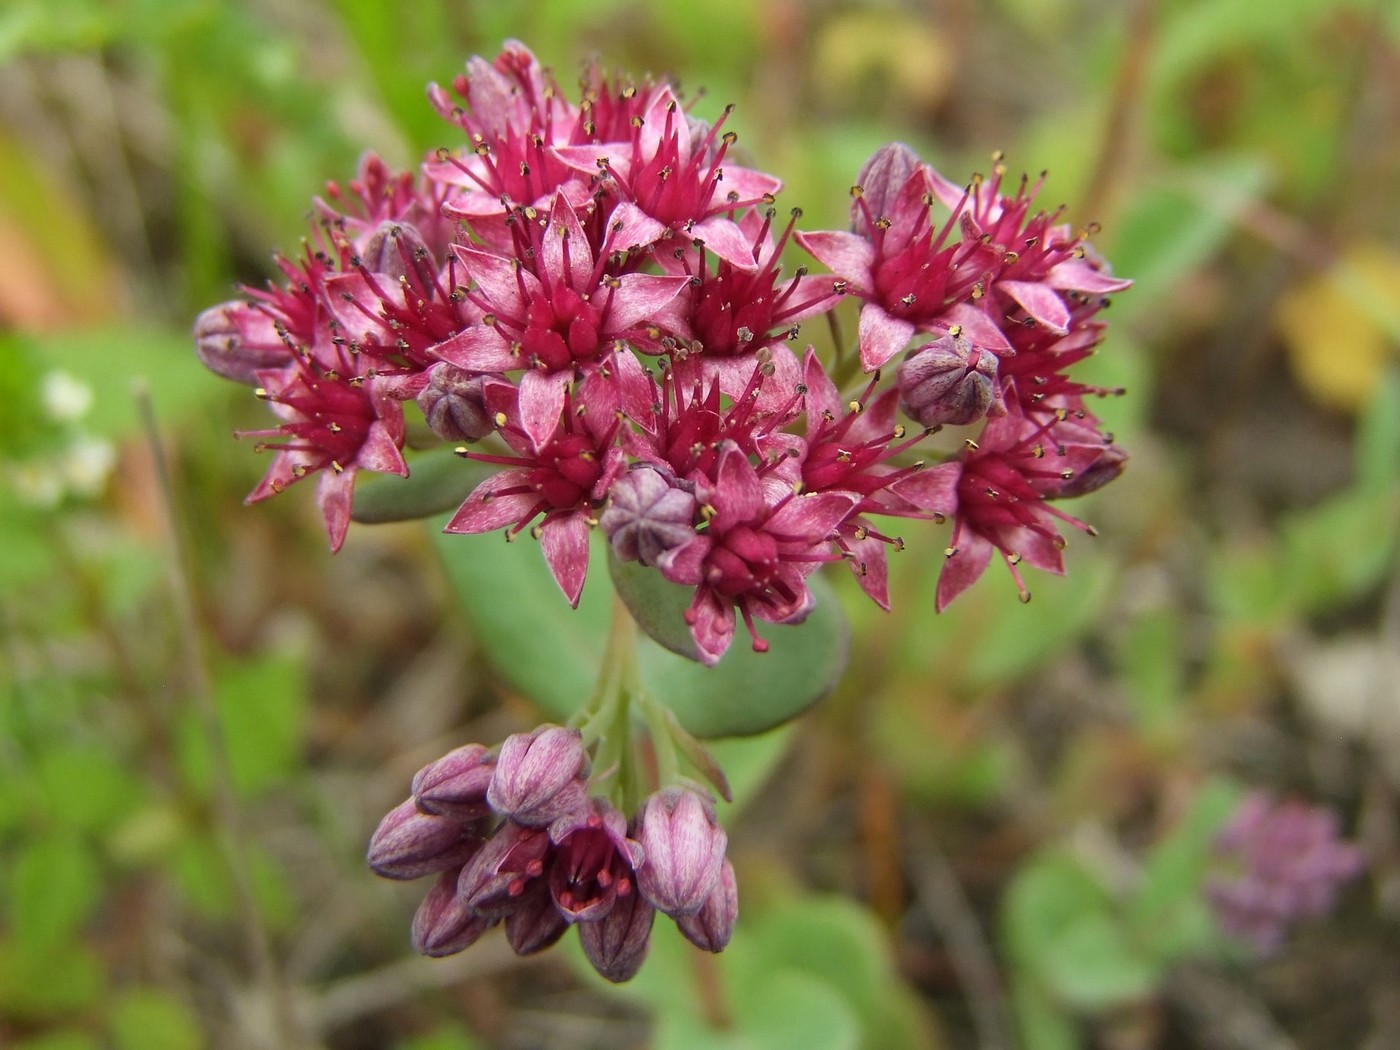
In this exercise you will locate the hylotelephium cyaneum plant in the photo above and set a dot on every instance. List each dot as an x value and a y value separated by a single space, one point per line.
590 298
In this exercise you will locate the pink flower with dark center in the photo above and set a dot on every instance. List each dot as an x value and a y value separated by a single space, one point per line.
1006 477
852 448
594 862
687 421
1033 260
754 555
559 317
563 478
736 313
514 114
335 424
912 277
672 179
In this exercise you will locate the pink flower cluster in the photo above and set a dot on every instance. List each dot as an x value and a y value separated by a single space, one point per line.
517 838
1287 863
593 292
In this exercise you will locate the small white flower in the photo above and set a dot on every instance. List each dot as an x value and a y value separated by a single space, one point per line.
65 399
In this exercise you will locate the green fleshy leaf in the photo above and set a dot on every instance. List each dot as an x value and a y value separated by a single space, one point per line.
153 1019
552 654
438 481
54 884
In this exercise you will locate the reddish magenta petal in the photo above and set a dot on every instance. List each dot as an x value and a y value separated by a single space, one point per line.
334 495
1076 275
565 544
630 227
723 238
871 569
541 402
737 496
1040 301
479 348
845 254
485 511
961 569
639 299
711 625
881 336
977 327
811 518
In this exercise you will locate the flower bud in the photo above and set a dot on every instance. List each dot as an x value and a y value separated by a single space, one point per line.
683 846
881 178
617 944
409 844
443 924
647 515
1098 474
540 776
710 928
536 923
949 381
454 405
237 340
455 785
398 249
496 878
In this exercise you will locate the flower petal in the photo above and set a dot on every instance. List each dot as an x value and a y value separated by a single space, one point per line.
565 543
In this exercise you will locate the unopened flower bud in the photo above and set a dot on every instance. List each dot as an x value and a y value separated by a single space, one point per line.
647 515
1103 470
881 178
711 927
237 340
455 785
444 924
496 878
617 944
409 844
540 776
398 249
683 846
454 405
949 381
536 923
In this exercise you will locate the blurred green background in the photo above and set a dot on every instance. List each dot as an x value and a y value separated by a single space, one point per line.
993 835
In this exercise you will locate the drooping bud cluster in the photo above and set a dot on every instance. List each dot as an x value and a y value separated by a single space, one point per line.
517 838
593 293
1283 862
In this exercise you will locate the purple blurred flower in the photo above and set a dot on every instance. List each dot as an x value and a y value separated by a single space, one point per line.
1287 863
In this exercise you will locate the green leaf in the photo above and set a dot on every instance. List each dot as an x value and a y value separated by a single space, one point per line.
1167 911
54 885
449 1036
1044 1024
1338 550
84 787
153 1019
1172 228
438 481
262 713
552 654
795 1009
52 980
1093 964
1378 438
1048 896
71 1040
